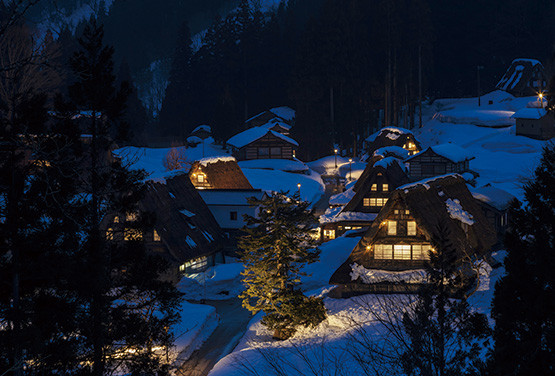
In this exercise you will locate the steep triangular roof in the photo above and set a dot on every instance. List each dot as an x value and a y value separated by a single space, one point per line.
220 173
391 136
183 221
517 78
443 200
390 167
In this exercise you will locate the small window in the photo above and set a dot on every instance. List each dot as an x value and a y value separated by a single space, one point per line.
110 234
275 152
391 227
374 187
263 152
402 252
396 211
366 201
233 215
156 236
385 187
407 212
200 178
411 228
421 252
132 234
131 217
116 219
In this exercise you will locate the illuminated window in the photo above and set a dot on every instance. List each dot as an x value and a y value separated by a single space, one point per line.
200 178
374 187
396 211
116 219
329 234
385 187
110 234
411 228
130 234
383 251
378 201
156 236
402 252
366 201
391 227
407 212
131 217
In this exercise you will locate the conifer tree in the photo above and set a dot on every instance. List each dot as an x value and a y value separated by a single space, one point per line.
524 301
442 336
129 309
276 247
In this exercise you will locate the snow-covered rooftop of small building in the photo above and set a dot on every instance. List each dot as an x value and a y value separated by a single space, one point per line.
450 151
530 113
496 197
219 158
342 198
393 133
534 62
424 182
275 164
194 140
202 128
284 112
395 151
255 133
387 161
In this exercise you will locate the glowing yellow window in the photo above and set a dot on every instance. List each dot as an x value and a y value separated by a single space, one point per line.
411 228
116 219
132 234
329 234
374 187
366 201
156 236
110 234
391 227
131 217
200 178
385 187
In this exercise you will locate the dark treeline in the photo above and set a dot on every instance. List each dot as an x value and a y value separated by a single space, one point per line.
361 55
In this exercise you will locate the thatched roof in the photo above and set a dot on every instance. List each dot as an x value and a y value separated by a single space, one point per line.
185 224
390 168
391 136
220 173
430 204
517 79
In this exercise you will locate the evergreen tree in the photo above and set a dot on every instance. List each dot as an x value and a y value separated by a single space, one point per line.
443 337
524 301
128 308
276 247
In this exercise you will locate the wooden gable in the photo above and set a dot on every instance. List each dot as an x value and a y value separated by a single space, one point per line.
428 164
268 146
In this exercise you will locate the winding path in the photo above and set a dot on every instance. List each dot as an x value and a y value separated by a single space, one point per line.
233 323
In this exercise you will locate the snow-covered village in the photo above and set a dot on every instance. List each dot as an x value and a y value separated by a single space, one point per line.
277 187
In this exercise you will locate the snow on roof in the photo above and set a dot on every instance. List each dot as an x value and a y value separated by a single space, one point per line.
275 121
534 62
395 151
425 182
387 161
450 151
393 133
229 197
369 276
530 113
335 215
194 140
342 198
219 158
275 164
255 133
456 211
284 112
202 128
495 197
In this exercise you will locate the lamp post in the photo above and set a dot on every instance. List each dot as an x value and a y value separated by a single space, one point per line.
299 188
541 99
350 169
478 68
335 152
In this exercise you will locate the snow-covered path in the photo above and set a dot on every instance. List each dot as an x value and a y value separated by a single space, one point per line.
233 323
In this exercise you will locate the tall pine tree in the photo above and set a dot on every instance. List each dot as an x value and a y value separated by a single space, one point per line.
276 247
524 301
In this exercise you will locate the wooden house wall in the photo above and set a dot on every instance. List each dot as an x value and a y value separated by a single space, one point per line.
542 129
401 238
430 164
378 179
253 150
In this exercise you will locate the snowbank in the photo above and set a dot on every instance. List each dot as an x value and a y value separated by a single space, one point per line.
216 283
246 137
343 198
326 165
484 118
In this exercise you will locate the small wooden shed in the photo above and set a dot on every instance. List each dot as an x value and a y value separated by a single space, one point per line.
438 160
262 143
535 123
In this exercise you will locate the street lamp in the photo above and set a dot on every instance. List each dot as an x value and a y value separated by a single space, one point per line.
299 188
541 99
335 151
350 169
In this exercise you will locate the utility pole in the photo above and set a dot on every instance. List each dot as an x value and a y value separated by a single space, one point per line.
420 86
